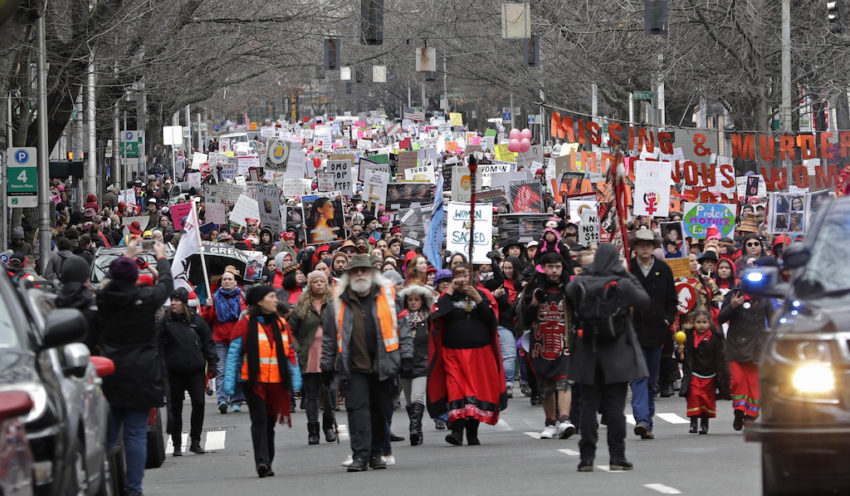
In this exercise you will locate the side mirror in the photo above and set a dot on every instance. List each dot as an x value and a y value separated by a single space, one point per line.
76 359
762 281
796 256
64 326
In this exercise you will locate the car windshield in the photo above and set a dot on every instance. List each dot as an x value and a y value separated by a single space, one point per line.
827 272
9 337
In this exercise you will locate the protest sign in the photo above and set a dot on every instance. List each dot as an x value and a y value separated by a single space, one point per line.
420 173
407 160
788 213
228 193
198 159
246 163
698 217
215 212
245 208
520 227
375 187
367 165
652 188
268 198
277 154
461 183
323 218
402 195
672 241
325 181
128 197
194 180
340 166
504 179
588 231
229 169
178 212
607 221
293 187
526 196
458 230
413 225
254 266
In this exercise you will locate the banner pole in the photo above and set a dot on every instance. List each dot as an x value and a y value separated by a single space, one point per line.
201 244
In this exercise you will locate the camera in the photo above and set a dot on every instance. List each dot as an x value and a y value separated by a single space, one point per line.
147 244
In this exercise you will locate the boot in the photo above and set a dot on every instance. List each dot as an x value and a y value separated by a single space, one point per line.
416 436
329 429
472 432
703 425
195 447
456 437
176 442
312 433
693 429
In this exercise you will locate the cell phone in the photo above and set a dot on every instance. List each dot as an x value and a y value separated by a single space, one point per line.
147 244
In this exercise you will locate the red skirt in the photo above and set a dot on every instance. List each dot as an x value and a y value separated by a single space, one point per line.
701 397
473 386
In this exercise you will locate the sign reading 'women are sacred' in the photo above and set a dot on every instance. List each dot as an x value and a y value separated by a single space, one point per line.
458 227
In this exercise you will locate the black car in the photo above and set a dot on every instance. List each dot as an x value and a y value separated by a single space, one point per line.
804 425
27 365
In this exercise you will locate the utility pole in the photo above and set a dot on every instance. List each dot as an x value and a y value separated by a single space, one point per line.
445 85
91 129
660 96
44 202
786 73
9 143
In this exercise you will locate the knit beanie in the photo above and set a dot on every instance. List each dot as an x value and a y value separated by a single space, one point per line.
75 269
180 294
124 269
316 274
257 293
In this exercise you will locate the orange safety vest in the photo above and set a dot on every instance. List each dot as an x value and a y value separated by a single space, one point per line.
269 371
386 318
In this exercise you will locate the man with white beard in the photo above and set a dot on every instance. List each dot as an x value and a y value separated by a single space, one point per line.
366 344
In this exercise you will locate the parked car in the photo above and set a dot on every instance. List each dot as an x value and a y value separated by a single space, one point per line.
87 410
15 454
804 426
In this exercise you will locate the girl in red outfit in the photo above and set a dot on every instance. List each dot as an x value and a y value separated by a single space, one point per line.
704 370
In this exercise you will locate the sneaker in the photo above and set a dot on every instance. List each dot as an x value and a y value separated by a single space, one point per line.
565 429
348 461
388 460
525 390
548 432
439 424
509 391
222 407
236 408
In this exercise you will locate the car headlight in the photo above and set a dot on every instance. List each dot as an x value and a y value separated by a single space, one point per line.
813 378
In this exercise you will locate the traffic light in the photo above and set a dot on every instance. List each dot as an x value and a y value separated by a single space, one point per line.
531 51
835 16
331 54
372 22
655 17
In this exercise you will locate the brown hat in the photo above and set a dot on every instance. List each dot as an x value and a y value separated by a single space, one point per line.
348 244
749 224
230 268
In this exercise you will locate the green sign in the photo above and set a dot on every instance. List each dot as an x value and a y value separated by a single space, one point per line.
22 173
643 95
129 149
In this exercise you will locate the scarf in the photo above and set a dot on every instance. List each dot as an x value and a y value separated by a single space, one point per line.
698 338
228 304
275 396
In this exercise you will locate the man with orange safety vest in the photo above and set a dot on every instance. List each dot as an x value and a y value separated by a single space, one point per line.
367 345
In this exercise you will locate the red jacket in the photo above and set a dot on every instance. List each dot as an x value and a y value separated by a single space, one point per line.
222 331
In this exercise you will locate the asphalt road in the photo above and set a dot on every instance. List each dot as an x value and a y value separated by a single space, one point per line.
511 460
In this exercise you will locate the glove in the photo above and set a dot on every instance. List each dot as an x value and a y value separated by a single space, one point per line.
327 376
406 368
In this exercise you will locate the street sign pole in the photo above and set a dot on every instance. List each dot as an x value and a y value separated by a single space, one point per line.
43 170
3 173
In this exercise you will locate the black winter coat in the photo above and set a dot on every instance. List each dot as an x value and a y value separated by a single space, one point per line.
619 360
188 346
652 322
76 295
747 332
419 332
127 331
706 359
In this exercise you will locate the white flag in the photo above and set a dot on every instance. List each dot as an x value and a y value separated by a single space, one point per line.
189 245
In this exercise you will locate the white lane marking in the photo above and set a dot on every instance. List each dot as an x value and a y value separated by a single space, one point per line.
672 418
502 426
343 431
535 435
661 488
607 468
215 440
169 444
569 452
631 419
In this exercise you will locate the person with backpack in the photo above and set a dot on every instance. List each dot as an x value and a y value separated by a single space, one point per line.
652 325
54 264
188 348
606 355
543 308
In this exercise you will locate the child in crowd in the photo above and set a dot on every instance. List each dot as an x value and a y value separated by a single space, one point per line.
704 370
417 307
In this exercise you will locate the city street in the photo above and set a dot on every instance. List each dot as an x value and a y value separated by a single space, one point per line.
511 460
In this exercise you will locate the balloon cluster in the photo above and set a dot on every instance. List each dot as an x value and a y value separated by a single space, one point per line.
520 141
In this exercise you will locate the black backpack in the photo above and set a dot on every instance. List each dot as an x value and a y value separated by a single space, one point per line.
600 313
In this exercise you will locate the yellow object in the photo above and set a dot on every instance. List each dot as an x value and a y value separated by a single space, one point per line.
680 337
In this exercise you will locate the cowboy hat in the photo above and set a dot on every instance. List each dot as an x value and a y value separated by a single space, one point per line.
644 234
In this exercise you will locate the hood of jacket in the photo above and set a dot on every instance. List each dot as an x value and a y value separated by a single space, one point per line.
606 262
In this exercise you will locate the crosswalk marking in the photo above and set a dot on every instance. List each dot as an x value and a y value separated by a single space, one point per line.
169 445
569 452
672 418
343 432
607 468
215 441
631 419
661 488
535 435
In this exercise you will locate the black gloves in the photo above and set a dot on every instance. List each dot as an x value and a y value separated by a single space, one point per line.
406 368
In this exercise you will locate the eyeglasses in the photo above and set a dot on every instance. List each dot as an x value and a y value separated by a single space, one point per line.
753 244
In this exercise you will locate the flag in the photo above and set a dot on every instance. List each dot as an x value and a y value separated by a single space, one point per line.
414 114
434 237
190 243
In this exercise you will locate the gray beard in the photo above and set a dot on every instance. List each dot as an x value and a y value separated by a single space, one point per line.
361 284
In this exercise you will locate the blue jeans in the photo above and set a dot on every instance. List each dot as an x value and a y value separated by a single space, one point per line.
238 396
507 343
643 390
135 423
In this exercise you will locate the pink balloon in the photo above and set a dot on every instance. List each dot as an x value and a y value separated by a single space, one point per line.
515 134
524 145
514 145
525 133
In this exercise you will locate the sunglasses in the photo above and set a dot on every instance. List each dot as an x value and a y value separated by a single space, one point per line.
753 244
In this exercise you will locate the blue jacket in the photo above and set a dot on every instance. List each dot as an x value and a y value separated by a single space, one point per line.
233 369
